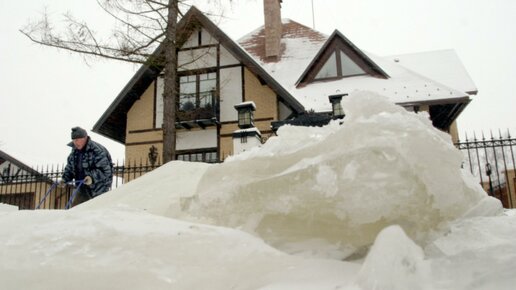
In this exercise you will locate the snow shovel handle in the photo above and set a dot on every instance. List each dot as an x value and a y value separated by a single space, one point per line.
47 193
78 183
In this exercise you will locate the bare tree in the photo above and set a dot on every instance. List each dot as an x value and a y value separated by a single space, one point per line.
142 26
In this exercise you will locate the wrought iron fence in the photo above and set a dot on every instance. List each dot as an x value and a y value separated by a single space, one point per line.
491 159
26 188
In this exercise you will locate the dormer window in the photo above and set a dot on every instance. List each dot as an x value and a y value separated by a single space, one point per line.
338 59
339 65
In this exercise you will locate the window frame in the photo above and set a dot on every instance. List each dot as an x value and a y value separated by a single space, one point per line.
197 94
337 45
336 51
204 155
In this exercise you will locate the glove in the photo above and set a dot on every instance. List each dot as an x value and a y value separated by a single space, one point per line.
61 183
88 180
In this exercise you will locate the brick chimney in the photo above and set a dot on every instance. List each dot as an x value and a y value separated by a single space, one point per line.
272 19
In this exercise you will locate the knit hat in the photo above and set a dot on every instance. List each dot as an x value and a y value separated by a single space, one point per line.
78 132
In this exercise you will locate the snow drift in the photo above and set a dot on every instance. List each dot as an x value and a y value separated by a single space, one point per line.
383 190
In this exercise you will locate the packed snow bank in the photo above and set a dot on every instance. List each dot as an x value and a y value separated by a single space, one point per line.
130 249
125 248
329 191
475 253
159 192
394 262
7 207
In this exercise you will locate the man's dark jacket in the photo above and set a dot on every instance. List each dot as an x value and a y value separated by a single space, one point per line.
95 161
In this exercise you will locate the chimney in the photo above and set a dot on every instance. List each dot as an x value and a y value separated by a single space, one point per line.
272 18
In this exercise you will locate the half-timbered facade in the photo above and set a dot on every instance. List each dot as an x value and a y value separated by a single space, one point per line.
283 79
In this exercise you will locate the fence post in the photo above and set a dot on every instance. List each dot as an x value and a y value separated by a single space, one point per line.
499 183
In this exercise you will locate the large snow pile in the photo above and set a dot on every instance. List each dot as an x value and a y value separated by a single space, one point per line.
340 186
377 202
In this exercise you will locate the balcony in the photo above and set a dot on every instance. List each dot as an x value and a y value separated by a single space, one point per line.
197 112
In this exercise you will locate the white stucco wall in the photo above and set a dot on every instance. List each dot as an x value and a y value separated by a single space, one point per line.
207 38
230 92
197 58
226 58
196 139
160 87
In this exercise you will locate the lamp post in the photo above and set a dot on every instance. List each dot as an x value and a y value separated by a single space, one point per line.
488 173
153 155
336 106
247 136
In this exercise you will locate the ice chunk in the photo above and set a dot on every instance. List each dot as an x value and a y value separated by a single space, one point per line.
395 262
342 183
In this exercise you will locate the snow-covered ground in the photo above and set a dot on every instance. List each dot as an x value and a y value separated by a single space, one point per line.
378 202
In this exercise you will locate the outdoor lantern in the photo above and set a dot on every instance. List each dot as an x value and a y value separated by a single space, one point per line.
488 173
153 155
488 169
245 114
336 106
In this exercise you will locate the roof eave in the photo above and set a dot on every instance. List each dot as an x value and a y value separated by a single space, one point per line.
144 73
452 108
109 128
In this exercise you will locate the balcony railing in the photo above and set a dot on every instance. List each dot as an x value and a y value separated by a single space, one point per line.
207 112
202 113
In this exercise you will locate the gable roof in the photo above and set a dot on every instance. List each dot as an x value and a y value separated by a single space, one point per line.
113 122
300 49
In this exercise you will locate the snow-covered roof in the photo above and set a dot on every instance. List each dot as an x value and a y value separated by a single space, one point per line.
301 44
443 66
247 130
246 104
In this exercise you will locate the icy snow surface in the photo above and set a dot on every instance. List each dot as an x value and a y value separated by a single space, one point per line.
7 207
377 202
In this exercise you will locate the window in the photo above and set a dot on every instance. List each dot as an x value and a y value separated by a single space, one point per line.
329 69
348 66
339 64
197 91
188 89
199 156
196 100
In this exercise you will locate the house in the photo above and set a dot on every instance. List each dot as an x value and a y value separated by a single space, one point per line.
13 190
233 94
25 187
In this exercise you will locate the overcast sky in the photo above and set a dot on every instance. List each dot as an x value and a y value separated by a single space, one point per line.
45 92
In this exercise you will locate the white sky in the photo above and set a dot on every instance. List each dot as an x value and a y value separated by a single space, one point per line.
45 92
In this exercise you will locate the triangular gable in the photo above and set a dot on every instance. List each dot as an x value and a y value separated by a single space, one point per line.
113 122
10 166
346 58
